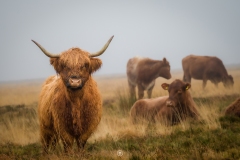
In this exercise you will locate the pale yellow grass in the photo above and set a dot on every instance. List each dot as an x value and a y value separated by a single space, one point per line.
18 132
110 125
118 128
23 92
28 92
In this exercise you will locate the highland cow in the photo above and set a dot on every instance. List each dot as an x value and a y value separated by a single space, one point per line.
70 105
142 72
169 110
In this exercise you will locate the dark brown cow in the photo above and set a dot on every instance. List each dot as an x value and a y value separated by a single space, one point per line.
142 72
206 68
70 104
234 108
172 109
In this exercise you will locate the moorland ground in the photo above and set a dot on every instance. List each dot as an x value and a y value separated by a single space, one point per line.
213 137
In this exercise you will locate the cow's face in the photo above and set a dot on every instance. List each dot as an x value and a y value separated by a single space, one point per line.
177 92
228 81
74 67
165 69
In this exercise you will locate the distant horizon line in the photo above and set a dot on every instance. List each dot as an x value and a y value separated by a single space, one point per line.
228 66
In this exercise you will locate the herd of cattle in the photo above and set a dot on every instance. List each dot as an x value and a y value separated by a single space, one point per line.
142 72
70 105
179 105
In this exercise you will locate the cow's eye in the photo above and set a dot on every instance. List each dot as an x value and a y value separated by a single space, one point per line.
85 66
63 66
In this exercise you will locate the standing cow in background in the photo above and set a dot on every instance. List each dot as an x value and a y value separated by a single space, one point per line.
142 72
172 109
70 105
206 68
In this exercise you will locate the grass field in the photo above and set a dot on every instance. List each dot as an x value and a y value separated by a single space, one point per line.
213 137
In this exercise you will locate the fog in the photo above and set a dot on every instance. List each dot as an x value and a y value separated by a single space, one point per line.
154 29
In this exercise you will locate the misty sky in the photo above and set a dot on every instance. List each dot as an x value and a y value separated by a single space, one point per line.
155 29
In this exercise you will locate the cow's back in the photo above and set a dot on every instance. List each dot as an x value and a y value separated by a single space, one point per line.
147 108
194 66
199 66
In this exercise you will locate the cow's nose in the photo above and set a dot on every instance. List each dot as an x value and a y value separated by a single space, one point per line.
169 103
74 80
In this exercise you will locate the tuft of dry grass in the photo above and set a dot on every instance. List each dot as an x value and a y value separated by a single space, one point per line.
19 124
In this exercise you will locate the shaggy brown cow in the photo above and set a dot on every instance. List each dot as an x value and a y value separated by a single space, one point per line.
234 108
142 72
70 105
172 109
206 68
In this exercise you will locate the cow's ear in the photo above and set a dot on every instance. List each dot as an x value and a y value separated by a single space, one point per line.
95 64
164 60
187 86
165 86
55 63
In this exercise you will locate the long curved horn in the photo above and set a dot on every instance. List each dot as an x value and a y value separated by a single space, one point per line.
102 50
46 52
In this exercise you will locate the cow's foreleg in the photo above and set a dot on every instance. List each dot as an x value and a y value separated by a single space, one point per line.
45 140
132 90
81 143
187 78
149 92
184 78
140 91
54 141
67 142
204 83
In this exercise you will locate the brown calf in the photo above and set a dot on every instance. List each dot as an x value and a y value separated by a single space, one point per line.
173 108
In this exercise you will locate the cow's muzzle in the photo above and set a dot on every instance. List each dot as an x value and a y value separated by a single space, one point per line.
75 83
170 103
